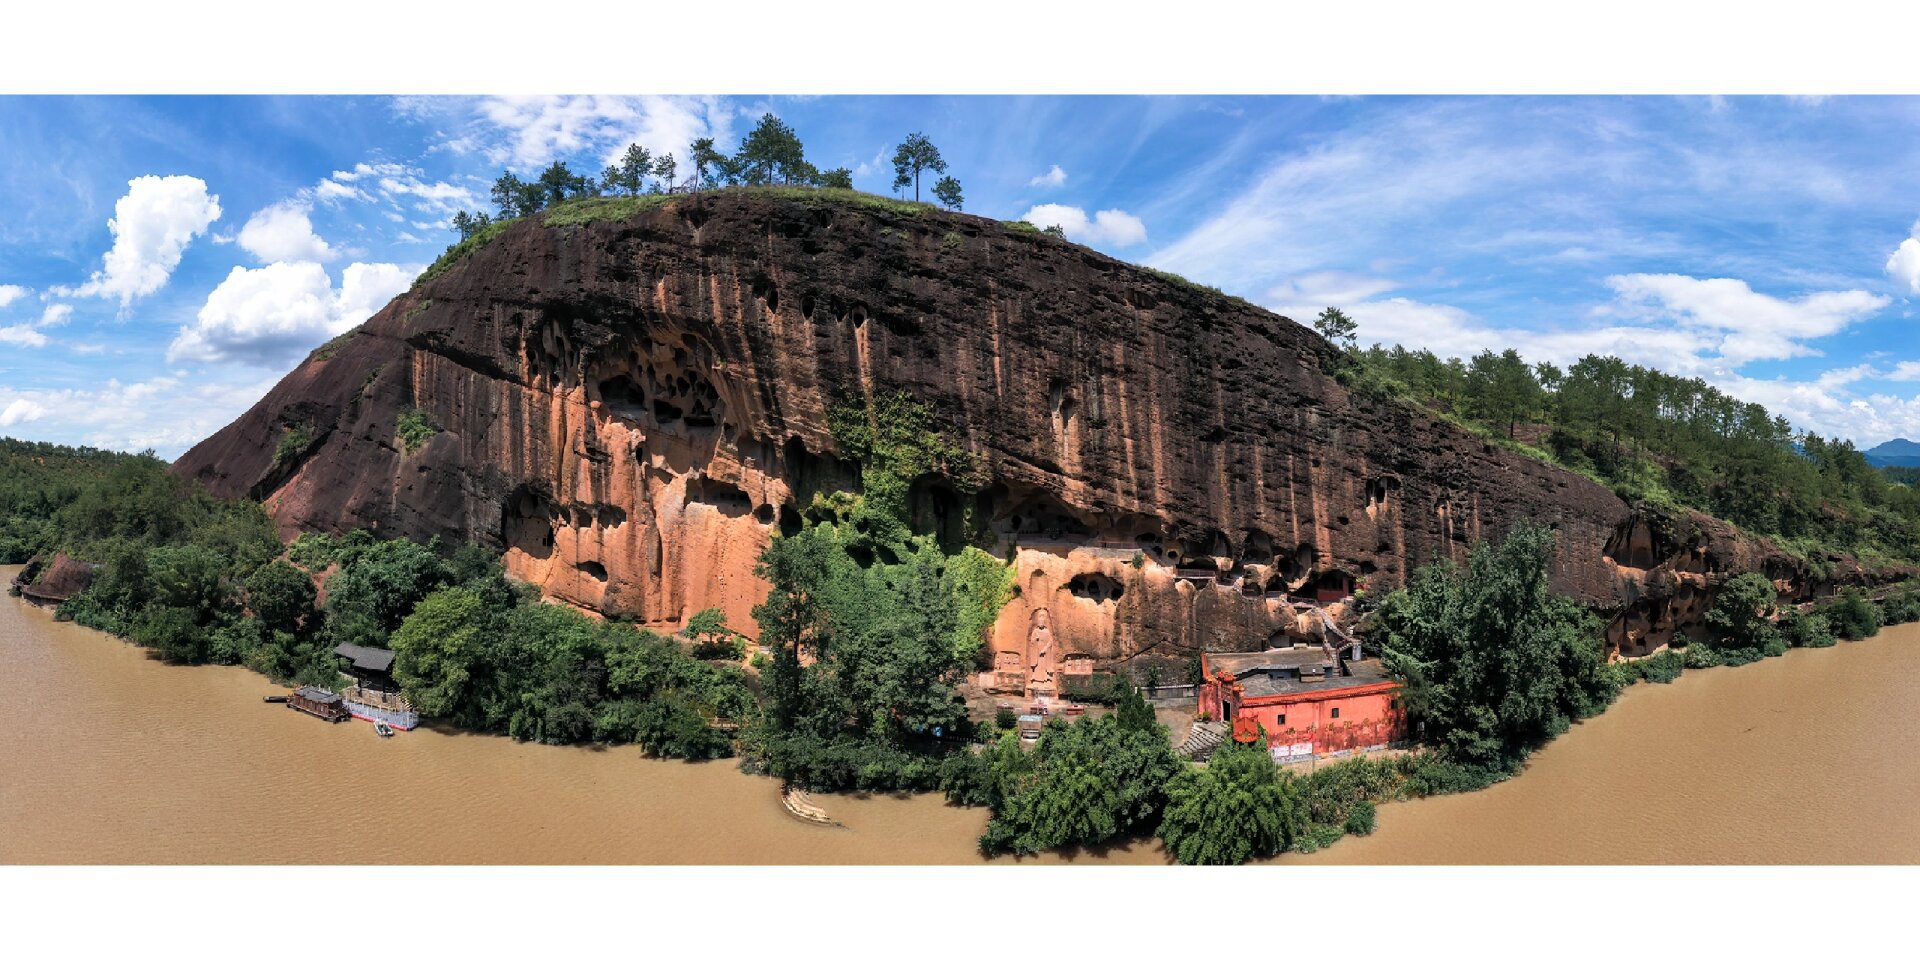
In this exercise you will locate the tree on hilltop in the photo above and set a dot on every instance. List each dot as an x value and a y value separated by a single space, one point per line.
629 176
666 168
1339 329
914 155
771 153
947 191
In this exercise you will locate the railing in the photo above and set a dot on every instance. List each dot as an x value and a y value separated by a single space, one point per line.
378 698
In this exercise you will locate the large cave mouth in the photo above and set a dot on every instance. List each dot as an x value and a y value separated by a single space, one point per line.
1097 587
526 523
725 497
623 397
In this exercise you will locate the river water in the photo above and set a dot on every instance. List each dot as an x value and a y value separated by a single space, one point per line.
107 756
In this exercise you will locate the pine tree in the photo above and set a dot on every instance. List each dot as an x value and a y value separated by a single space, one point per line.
914 155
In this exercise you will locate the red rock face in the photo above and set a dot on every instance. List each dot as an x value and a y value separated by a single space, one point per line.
629 410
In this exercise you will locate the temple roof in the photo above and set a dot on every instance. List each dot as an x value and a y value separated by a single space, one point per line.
371 659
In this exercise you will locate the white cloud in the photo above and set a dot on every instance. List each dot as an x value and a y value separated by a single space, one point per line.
167 414
271 315
21 410
333 191
152 226
283 232
529 132
1750 325
366 287
1108 227
1904 370
1904 265
1052 178
55 315
1308 294
24 335
9 292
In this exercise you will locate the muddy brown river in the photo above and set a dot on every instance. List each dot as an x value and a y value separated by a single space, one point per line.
107 756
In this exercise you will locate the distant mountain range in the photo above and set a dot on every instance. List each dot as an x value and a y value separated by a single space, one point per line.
1895 453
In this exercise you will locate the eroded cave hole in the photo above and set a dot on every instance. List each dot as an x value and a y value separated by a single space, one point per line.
725 497
592 568
1097 587
1298 567
526 523
1258 547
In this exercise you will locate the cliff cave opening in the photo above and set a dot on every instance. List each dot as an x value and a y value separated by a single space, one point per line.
526 523
592 568
1097 587
725 497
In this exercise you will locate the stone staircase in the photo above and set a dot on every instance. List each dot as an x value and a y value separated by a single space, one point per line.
1202 741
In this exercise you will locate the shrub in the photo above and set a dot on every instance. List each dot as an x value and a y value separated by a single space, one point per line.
1238 807
1808 630
1854 617
1902 607
1360 820
1699 656
414 428
291 444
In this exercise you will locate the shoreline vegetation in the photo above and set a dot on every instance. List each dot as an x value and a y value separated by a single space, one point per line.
859 693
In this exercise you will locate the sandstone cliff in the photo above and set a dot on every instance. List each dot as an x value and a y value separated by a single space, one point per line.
628 408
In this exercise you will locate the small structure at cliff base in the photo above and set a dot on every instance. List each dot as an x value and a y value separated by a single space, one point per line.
1309 701
374 695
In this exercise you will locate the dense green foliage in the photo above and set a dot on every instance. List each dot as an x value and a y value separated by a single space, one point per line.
1095 780
1494 663
1854 616
1240 806
488 660
871 624
1654 436
414 428
1741 619
36 481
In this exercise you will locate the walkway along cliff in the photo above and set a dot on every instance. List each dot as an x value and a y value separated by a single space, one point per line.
627 399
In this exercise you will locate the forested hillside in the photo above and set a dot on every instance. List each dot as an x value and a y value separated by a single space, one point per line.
1654 436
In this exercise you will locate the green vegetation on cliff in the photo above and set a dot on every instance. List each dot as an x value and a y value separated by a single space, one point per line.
1653 436
872 624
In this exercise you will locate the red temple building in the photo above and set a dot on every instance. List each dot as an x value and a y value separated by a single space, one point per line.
1309 700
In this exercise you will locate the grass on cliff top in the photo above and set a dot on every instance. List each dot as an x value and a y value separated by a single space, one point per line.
572 213
463 249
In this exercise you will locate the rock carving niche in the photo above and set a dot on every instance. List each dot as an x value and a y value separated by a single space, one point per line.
1381 493
1040 653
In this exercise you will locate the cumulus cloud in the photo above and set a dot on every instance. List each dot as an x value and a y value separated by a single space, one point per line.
152 226
529 132
21 410
1904 265
56 314
1116 228
22 335
1749 325
284 232
9 292
271 315
1052 178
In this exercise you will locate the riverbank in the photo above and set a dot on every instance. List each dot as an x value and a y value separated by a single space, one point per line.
1808 758
110 756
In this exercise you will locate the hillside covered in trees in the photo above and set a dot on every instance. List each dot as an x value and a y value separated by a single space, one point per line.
1654 436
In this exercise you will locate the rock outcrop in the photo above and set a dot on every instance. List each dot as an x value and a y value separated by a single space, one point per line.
628 409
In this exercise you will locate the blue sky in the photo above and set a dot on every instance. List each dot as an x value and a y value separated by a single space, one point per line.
1766 245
